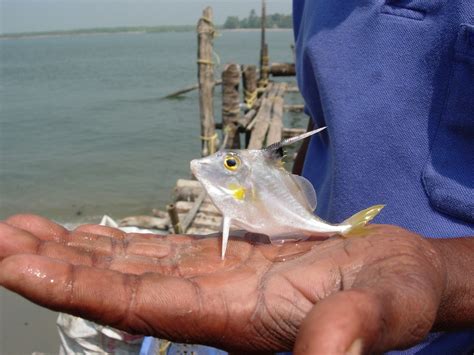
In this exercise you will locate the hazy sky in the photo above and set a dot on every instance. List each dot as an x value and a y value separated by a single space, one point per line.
44 15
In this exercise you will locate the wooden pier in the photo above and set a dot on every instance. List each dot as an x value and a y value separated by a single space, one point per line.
252 117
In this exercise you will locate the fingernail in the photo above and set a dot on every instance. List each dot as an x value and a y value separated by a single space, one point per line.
355 348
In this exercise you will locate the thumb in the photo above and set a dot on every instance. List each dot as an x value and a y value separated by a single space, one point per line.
358 321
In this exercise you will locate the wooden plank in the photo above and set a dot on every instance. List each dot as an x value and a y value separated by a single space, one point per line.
186 90
282 89
188 183
187 190
186 222
262 122
207 208
292 88
272 90
147 222
283 69
209 222
294 108
276 125
248 117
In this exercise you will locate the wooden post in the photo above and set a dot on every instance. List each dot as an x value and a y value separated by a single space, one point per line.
231 104
263 25
206 32
249 79
264 60
174 219
264 68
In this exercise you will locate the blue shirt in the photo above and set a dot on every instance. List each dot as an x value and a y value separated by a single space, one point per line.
393 80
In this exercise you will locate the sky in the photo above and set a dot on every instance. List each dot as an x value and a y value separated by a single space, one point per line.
48 15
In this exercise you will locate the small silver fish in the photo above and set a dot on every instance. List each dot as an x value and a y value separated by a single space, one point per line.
254 192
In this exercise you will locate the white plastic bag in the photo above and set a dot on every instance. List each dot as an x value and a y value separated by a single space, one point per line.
80 336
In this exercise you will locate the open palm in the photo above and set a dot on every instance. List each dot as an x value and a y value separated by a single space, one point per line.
374 292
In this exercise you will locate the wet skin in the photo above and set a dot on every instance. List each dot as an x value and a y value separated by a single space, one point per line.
382 290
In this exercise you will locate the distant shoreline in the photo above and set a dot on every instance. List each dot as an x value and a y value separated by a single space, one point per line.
99 31
256 30
123 30
42 35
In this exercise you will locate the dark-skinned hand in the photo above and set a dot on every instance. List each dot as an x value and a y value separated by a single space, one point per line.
381 290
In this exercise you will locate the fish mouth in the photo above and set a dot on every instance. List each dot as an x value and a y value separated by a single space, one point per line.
194 166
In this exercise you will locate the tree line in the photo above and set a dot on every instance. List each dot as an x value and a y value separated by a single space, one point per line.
254 21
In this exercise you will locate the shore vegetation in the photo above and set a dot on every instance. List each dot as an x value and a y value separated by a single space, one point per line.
254 21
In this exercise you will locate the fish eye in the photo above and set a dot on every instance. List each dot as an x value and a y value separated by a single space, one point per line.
231 162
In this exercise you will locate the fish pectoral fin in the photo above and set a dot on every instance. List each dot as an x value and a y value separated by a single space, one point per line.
307 190
225 235
360 219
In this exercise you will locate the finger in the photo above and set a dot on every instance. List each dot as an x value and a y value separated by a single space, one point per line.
16 241
46 230
38 226
101 230
368 320
115 233
139 304
344 322
98 239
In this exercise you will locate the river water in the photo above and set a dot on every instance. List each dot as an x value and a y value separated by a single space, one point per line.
83 129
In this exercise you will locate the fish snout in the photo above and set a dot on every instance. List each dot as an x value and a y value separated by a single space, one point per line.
199 166
194 166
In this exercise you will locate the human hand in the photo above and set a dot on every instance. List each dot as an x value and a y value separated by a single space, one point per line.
374 293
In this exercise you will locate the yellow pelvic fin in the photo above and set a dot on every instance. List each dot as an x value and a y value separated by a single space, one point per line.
237 191
360 219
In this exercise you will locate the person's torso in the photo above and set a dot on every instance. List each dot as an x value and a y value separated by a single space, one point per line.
394 82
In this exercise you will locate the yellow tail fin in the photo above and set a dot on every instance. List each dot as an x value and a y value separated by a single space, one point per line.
360 219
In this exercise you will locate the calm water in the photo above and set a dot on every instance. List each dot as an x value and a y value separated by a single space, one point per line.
83 132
